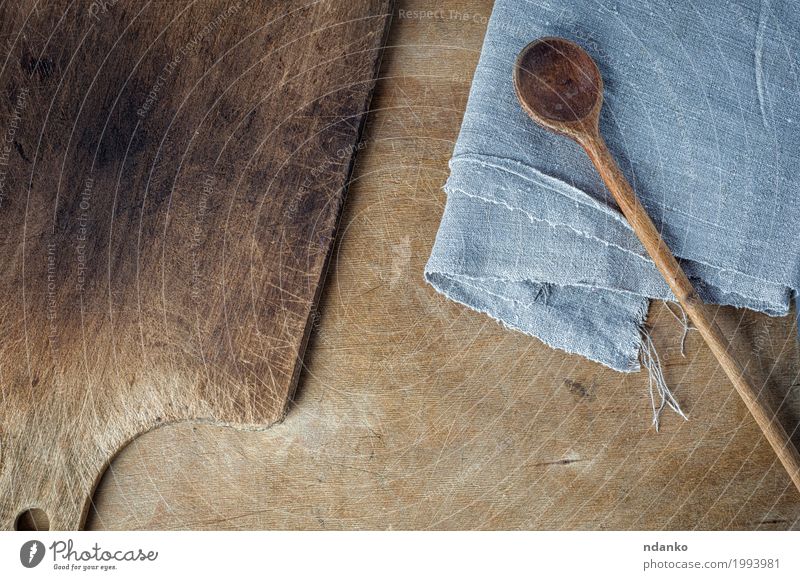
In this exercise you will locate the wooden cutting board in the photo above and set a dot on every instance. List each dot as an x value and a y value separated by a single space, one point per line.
171 175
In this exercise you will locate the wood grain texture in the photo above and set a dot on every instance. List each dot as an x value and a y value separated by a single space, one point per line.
415 412
560 87
172 177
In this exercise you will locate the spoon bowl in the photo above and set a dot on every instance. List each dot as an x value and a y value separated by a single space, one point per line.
559 85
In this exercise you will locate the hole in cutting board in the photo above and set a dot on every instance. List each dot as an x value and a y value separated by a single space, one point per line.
32 520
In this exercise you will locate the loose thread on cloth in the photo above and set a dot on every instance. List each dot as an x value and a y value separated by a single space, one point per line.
684 322
657 384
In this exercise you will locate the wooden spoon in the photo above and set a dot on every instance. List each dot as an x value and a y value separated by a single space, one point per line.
560 87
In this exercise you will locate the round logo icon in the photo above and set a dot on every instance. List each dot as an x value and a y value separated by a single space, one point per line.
31 553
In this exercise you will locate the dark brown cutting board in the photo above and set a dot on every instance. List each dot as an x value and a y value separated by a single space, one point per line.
171 175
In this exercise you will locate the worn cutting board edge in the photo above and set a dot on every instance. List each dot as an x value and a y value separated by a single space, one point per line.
77 503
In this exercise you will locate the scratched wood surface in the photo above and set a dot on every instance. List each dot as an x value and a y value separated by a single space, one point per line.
414 412
172 175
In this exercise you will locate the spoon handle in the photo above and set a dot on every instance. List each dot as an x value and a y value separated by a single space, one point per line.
698 311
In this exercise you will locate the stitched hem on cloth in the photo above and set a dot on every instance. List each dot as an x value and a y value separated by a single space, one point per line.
770 296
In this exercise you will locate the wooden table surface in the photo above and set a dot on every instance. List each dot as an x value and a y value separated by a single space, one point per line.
415 412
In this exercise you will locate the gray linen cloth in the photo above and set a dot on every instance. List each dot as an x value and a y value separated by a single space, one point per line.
702 111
